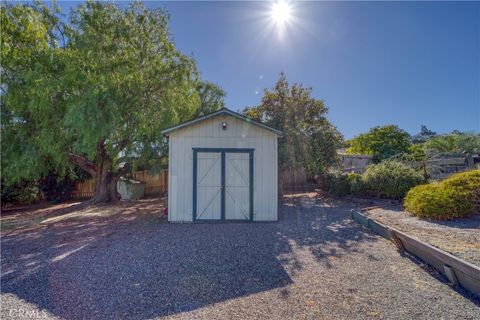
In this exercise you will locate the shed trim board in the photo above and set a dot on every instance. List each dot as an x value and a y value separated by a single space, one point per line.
223 111
223 183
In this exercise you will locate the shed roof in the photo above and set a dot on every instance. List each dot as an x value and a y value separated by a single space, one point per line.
223 111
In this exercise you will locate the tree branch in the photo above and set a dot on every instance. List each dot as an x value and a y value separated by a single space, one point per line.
83 163
126 168
122 145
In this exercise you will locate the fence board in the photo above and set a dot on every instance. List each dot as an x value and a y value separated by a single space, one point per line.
154 184
293 179
83 189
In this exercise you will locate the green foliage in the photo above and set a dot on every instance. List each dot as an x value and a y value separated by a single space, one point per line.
56 188
381 142
336 183
424 135
211 97
340 184
455 197
100 86
309 140
389 179
128 79
29 46
465 182
424 131
357 187
455 142
415 152
23 192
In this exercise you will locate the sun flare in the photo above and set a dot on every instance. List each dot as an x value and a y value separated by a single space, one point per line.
281 12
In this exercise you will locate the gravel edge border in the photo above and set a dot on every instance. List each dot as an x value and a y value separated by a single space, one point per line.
458 272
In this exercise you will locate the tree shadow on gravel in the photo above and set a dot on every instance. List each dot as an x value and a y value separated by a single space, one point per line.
135 266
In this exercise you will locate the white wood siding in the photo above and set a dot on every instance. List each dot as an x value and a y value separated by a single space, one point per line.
209 185
237 186
209 134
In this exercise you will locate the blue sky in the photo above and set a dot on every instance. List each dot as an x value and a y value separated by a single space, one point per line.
373 63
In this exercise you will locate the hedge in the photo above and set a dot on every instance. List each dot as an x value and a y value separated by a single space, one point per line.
389 179
455 197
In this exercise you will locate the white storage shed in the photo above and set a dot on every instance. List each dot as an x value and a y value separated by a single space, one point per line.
222 166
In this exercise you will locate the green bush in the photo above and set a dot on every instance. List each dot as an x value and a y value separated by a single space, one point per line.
455 197
340 184
389 179
337 183
357 186
25 192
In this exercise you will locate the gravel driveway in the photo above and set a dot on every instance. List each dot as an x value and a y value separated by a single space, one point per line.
314 263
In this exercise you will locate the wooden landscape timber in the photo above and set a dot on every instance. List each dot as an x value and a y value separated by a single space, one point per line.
457 271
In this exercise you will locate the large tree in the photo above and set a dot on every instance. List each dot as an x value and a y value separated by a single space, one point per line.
423 135
457 142
309 140
94 92
382 142
211 97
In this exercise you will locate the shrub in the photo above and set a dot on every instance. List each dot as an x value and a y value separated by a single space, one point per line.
465 182
336 183
340 184
389 179
24 192
455 197
357 186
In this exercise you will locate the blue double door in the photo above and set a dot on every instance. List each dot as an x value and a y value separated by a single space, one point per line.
222 184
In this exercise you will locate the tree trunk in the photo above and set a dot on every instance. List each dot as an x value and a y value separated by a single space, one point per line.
101 172
105 189
105 183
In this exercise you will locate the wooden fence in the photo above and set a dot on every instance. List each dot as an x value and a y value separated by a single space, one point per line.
296 180
442 167
83 189
154 184
353 163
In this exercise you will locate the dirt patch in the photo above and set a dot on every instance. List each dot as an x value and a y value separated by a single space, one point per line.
35 218
460 238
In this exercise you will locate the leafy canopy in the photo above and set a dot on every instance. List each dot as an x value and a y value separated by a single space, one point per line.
423 135
455 142
381 142
94 91
30 36
211 97
309 140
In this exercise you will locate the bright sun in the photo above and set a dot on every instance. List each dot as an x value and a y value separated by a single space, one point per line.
281 12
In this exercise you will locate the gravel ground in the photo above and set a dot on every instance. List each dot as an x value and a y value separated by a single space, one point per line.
315 263
459 237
